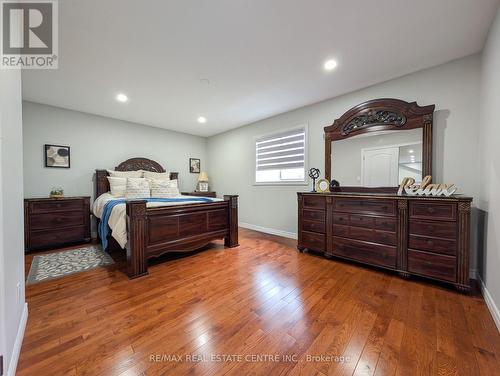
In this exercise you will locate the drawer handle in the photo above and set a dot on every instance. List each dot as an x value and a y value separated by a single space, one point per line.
428 262
430 210
384 207
384 255
430 228
430 242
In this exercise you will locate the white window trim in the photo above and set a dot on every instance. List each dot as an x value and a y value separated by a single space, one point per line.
306 157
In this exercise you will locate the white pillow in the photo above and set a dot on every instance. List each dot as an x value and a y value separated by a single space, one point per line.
156 175
164 188
137 188
117 186
125 174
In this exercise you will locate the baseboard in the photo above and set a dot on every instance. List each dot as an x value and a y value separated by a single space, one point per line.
16 351
267 230
490 303
473 274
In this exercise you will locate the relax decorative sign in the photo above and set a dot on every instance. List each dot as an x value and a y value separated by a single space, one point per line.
426 188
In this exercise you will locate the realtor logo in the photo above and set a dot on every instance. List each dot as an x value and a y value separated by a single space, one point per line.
29 34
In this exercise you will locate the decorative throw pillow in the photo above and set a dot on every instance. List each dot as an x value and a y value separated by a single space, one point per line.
164 188
137 188
125 174
156 175
117 186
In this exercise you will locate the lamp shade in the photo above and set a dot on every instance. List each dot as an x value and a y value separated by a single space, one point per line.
203 176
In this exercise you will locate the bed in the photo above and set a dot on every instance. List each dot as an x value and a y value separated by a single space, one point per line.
153 230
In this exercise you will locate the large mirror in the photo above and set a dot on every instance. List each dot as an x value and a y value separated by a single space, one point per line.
378 159
378 143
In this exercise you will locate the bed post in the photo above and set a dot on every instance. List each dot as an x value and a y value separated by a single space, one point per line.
136 246
231 240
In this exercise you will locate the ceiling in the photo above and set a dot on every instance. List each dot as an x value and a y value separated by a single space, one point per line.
261 57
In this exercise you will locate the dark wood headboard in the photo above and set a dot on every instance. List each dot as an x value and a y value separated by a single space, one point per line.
132 164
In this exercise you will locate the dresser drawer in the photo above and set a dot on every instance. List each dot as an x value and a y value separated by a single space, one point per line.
365 252
56 237
385 224
445 246
433 228
433 210
314 202
313 241
341 219
385 237
56 220
365 206
362 221
55 205
360 233
370 235
339 230
313 226
431 265
313 215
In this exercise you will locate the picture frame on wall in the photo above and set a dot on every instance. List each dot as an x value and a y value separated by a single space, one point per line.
194 165
57 156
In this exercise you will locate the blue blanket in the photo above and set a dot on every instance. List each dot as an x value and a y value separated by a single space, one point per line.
103 229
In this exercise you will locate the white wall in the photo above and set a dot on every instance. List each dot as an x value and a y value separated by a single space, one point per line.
98 142
13 311
453 87
489 197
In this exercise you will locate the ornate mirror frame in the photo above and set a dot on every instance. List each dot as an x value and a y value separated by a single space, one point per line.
381 115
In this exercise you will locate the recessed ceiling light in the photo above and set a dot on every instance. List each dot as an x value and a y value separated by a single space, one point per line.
202 120
121 98
330 65
411 151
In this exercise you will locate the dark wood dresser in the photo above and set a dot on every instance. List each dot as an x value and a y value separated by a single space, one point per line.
424 236
51 222
200 194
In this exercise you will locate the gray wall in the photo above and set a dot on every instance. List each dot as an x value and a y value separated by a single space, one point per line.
489 197
98 142
453 87
11 219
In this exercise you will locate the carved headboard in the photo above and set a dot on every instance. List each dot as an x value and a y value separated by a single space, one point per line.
132 164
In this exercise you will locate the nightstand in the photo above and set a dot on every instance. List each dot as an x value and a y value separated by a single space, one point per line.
54 222
201 194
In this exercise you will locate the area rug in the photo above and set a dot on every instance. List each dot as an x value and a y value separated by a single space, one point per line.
59 264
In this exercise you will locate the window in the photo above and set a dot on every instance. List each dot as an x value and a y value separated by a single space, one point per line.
281 157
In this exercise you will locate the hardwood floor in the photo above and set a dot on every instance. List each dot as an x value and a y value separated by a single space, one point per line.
262 308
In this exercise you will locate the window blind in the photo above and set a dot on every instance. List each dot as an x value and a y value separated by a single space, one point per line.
281 151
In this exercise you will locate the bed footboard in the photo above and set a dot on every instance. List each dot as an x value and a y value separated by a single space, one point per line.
180 228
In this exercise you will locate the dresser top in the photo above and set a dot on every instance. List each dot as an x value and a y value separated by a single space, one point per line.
388 195
56 198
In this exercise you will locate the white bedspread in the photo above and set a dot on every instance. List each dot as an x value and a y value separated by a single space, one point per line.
118 219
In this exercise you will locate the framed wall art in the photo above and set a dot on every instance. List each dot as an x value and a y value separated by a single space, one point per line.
194 165
57 156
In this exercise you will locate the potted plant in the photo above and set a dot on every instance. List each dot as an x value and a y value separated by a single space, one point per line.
56 192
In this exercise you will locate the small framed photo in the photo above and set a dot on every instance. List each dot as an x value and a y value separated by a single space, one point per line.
57 156
194 165
203 187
